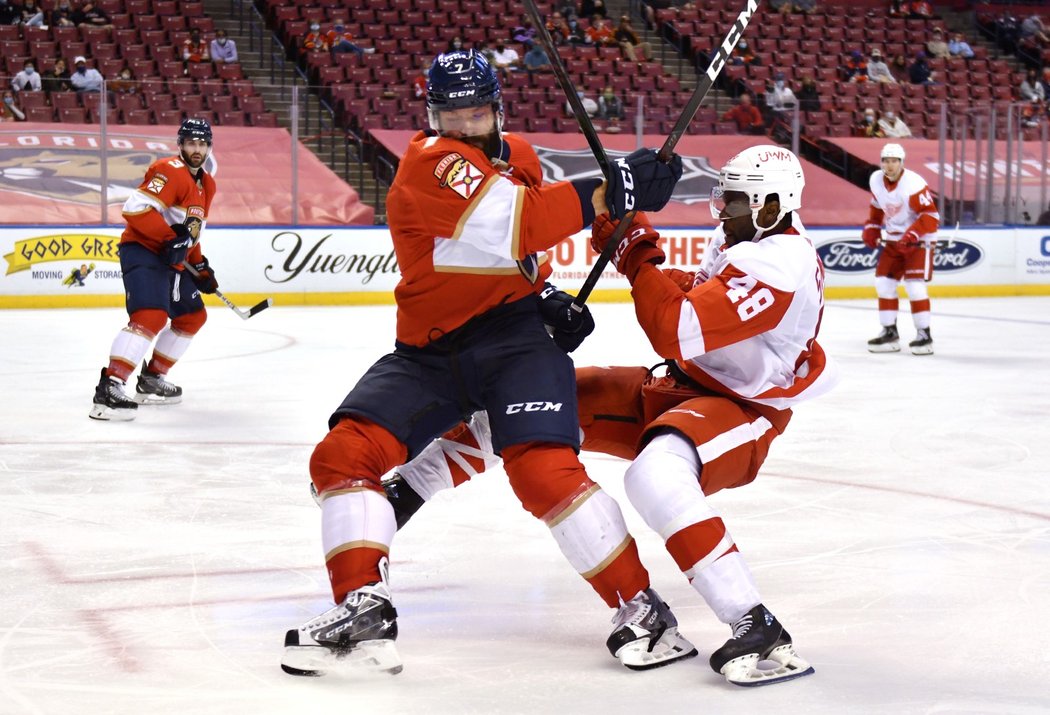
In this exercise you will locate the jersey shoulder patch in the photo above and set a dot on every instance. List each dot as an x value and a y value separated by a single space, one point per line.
455 172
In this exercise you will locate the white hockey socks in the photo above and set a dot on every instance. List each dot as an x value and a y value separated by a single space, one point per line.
129 348
356 518
171 345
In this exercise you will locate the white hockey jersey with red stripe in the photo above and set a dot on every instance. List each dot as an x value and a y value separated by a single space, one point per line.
902 204
748 326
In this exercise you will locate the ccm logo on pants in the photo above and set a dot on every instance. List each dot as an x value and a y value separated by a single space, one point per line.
516 407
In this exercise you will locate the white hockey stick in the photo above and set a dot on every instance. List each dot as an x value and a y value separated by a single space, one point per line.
244 314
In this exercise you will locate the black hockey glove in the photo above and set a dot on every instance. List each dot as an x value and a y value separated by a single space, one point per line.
567 326
176 249
205 278
641 182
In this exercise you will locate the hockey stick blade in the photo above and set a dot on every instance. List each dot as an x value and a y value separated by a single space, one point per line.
259 307
703 88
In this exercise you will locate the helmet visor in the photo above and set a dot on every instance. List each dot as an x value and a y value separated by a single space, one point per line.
721 209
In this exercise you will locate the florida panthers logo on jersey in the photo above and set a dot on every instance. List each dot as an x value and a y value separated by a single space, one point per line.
460 175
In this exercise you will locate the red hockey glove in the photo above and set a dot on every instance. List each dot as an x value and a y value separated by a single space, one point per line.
205 277
637 246
910 238
871 235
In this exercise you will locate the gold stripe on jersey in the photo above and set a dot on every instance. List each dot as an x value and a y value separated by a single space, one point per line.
360 544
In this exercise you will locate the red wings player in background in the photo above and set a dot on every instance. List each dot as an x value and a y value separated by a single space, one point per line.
901 204
739 340
165 218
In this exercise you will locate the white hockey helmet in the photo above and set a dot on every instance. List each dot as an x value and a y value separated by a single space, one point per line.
892 151
760 171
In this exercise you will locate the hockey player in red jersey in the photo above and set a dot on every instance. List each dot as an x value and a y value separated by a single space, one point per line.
165 218
903 219
739 340
470 221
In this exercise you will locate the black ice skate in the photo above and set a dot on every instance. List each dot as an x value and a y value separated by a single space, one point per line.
758 636
110 402
356 635
888 341
923 342
645 634
153 389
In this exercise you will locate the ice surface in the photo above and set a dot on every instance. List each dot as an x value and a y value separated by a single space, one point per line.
899 529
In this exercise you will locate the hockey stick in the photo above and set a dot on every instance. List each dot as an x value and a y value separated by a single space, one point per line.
688 112
244 314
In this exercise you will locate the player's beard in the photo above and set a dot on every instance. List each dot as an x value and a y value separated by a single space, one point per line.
490 143
192 162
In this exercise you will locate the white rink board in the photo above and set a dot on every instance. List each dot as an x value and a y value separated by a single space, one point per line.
328 263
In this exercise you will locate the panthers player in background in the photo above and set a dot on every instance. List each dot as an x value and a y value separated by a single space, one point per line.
470 220
739 338
165 218
903 218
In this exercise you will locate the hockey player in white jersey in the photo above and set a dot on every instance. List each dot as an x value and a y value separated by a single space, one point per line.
903 219
739 340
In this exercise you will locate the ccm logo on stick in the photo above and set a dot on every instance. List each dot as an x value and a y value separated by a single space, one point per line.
516 407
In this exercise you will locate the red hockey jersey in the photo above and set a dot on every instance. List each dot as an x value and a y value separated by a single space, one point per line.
470 236
167 195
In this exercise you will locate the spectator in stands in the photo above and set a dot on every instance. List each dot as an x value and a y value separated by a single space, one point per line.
1008 33
577 33
223 49
632 45
62 15
809 95
9 109
57 78
28 79
901 69
85 79
893 126
746 115
1033 31
779 97
455 43
878 70
590 8
920 10
194 49
937 47
599 33
1032 113
610 106
339 40
589 105
30 14
419 82
505 59
536 59
745 54
919 72
524 33
124 82
898 8
9 14
1045 81
91 15
868 126
784 7
804 7
959 47
855 69
558 28
315 40
1031 89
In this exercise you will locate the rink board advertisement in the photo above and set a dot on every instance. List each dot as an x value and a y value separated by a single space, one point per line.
80 266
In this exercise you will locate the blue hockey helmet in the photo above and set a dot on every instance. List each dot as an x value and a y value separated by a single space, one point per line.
195 129
460 79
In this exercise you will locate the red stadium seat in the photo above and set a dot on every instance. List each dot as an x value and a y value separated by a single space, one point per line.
72 115
40 114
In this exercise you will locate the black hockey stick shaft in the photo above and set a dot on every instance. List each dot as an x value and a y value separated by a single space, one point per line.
703 88
575 103
244 314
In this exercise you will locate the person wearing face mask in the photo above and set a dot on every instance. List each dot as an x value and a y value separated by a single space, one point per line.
223 49
62 15
31 14
124 82
893 126
84 78
869 125
339 40
27 79
505 59
194 49
315 40
780 98
91 15
878 70
9 109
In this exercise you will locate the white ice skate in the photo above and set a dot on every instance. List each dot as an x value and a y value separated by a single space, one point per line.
645 634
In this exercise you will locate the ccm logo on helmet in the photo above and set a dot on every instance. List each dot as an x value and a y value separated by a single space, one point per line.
516 407
464 93
628 183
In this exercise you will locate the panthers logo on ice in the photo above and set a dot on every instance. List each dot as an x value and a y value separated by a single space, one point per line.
65 165
698 178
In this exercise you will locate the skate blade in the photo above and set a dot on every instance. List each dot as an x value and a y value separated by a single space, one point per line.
376 656
745 671
886 348
922 350
156 400
669 648
108 414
